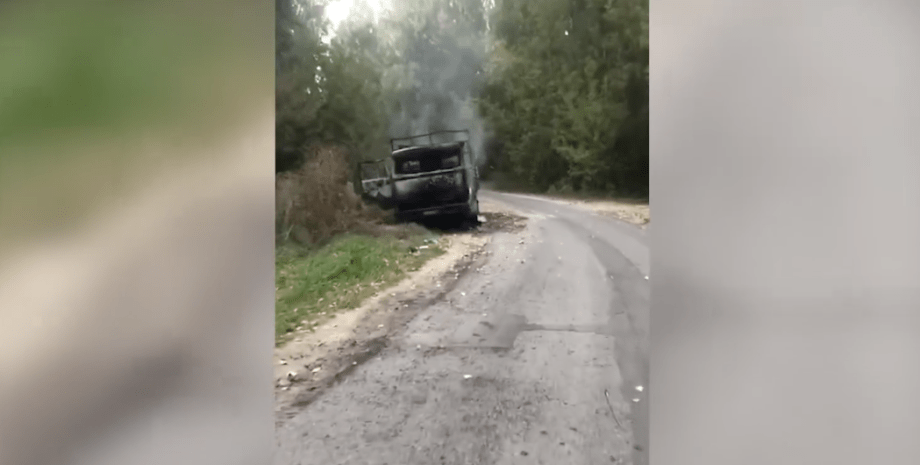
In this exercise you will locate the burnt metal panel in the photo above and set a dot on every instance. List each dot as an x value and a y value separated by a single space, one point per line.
431 191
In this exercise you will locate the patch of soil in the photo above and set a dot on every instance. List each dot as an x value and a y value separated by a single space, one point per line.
493 217
501 221
488 222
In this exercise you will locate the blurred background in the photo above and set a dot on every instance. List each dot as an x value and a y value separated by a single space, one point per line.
135 217
92 92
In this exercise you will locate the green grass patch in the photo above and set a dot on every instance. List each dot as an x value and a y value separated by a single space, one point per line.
313 284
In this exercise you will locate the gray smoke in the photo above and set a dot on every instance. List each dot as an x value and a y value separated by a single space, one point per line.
445 74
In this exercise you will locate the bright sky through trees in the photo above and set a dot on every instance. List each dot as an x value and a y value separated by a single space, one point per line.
338 10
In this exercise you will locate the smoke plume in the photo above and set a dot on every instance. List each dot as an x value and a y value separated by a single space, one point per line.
444 64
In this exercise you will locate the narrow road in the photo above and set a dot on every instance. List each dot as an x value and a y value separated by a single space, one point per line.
534 357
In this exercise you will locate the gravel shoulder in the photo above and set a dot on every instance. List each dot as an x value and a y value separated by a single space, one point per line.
630 211
635 213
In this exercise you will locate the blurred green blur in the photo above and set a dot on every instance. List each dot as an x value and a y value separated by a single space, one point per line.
92 91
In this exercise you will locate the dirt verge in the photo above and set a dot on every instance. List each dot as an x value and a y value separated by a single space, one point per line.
630 211
635 213
314 361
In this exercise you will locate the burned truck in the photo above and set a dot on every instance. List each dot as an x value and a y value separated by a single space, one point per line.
376 176
435 178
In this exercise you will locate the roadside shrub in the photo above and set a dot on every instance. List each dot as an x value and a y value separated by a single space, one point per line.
317 201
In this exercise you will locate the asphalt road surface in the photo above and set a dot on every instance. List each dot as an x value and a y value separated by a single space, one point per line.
533 358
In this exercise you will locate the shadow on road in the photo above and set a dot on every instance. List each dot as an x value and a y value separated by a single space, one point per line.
487 223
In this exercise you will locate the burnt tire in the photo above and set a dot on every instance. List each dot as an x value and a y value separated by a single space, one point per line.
469 218
474 211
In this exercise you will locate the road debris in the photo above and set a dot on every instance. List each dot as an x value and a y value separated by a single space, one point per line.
639 388
612 412
467 376
316 370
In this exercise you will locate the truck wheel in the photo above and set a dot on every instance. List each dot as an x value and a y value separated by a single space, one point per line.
472 211
469 219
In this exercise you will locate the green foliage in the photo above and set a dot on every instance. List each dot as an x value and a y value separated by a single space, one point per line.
327 92
568 92
561 85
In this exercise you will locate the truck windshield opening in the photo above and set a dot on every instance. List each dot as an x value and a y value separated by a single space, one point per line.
428 160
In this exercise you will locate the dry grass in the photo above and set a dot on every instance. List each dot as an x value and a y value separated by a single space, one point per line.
350 254
317 201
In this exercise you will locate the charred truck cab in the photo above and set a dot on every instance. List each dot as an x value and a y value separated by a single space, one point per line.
434 179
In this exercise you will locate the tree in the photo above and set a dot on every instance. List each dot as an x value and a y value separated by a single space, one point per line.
300 57
565 93
328 91
554 92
